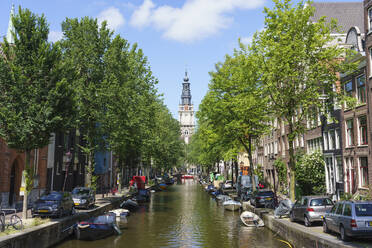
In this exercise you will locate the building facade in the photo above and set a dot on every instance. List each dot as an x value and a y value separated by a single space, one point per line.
186 113
367 29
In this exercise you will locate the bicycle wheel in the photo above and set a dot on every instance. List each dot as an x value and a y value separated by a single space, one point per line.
16 222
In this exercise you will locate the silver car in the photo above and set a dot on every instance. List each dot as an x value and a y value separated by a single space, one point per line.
349 219
310 209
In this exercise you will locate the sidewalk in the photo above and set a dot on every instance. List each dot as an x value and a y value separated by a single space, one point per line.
301 236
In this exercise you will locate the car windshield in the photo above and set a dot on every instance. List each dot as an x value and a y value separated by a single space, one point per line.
51 197
363 209
265 193
80 191
316 202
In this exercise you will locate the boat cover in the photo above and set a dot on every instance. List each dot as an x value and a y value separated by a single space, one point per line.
283 208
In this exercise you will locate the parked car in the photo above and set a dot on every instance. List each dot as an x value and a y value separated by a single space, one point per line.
263 197
349 219
53 204
83 197
310 209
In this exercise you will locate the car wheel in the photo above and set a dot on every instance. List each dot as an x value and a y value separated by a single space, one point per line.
307 222
325 226
291 217
343 235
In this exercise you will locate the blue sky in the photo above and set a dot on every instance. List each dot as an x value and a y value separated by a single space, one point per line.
174 34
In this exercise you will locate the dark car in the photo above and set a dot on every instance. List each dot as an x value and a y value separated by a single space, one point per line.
54 204
83 197
349 219
310 209
263 198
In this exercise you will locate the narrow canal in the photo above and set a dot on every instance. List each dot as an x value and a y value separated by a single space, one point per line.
184 216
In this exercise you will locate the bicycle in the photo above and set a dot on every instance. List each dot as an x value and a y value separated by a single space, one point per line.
15 221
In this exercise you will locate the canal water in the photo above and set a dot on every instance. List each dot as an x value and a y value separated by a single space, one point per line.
184 216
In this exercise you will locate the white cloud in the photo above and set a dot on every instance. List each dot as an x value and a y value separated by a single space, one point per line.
141 16
113 17
55 36
195 20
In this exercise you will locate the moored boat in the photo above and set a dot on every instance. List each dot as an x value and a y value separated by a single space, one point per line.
187 177
121 217
223 198
129 204
97 227
232 205
251 219
162 186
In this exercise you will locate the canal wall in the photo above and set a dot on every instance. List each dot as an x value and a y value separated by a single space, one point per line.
54 232
299 236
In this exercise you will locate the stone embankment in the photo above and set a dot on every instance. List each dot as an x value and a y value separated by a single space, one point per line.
299 235
55 231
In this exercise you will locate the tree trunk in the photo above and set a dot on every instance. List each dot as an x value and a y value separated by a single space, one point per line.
292 162
251 162
26 178
232 171
236 170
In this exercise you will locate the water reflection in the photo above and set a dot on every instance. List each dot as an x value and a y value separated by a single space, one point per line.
184 216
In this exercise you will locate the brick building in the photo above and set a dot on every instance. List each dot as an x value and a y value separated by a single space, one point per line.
367 29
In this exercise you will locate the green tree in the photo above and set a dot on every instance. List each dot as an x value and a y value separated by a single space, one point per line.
298 67
84 45
35 101
310 173
235 104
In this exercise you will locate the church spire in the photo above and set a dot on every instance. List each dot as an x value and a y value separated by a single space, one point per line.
11 29
186 94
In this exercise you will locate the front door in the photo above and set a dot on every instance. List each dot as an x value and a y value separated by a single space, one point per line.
12 186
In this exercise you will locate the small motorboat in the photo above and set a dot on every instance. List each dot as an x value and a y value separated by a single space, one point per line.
215 193
143 195
223 198
120 213
162 186
187 177
210 188
97 227
228 185
129 204
232 205
251 219
121 217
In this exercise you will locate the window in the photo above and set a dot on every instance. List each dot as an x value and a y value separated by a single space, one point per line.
361 82
325 136
347 210
363 161
370 19
363 140
349 132
328 202
337 140
331 136
339 209
340 169
349 90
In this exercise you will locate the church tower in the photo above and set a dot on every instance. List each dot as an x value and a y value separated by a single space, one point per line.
186 111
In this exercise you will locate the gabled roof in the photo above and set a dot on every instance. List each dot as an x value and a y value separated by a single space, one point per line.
348 14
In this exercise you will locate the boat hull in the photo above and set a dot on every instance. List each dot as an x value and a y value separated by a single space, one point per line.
94 232
232 205
251 219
